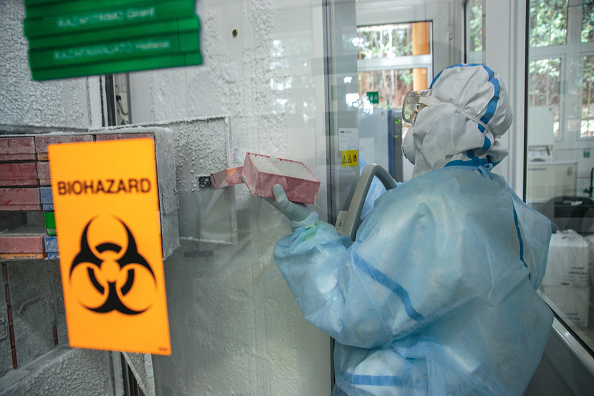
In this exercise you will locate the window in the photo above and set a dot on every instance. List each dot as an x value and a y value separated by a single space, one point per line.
391 85
544 87
560 162
393 59
548 23
588 22
475 31
587 127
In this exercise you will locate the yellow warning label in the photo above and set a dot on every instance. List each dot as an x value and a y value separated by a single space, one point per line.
349 158
107 216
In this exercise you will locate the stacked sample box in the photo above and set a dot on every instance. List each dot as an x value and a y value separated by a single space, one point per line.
45 191
19 192
22 158
27 222
51 239
70 38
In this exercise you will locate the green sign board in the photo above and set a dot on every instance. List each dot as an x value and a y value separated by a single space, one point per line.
69 38
373 97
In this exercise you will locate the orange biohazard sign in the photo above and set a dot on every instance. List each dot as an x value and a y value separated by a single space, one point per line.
107 221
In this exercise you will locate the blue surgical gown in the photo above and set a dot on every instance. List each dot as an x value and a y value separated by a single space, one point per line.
437 295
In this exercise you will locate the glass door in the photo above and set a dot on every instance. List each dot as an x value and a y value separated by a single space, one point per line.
400 47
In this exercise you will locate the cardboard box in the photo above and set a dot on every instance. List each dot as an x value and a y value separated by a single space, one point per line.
571 303
568 260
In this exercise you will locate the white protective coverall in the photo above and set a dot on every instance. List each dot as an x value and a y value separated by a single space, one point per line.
437 294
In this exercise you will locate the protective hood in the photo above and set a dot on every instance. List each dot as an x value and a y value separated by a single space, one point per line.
447 132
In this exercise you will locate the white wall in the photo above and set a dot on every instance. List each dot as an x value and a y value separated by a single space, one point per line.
29 106
73 103
505 54
235 326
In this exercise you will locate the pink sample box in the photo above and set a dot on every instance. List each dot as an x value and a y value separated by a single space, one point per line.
22 243
262 172
43 173
20 199
226 178
20 148
102 137
42 141
18 174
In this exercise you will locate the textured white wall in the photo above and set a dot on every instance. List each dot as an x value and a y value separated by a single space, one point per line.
235 326
29 106
72 103
63 371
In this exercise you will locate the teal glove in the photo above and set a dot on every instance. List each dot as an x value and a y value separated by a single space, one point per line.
299 214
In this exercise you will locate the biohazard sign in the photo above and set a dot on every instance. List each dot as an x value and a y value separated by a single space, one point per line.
107 220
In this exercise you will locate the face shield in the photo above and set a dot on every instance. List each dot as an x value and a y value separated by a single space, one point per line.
413 104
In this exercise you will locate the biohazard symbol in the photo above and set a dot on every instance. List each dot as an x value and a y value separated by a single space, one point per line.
109 273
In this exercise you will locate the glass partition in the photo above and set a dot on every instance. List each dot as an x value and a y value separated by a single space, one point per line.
393 59
559 167
391 86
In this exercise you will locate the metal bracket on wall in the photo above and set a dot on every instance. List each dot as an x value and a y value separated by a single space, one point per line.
117 99
122 98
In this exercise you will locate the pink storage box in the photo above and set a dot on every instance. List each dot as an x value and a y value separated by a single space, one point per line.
43 173
42 141
20 198
102 137
18 174
262 172
22 243
17 148
226 177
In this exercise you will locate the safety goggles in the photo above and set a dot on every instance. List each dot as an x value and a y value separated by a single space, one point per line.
414 101
412 105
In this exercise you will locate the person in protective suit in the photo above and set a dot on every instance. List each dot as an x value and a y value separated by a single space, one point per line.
437 294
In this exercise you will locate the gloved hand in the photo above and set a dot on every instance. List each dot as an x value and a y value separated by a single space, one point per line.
299 214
